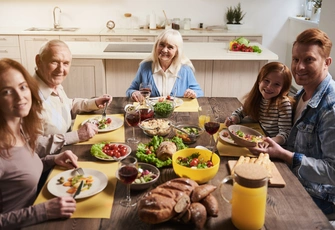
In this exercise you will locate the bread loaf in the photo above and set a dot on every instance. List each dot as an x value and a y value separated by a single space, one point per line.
157 206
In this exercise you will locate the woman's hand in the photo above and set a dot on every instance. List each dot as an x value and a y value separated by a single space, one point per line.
67 159
100 101
189 93
60 207
137 96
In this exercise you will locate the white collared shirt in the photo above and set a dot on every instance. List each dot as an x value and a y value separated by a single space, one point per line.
164 80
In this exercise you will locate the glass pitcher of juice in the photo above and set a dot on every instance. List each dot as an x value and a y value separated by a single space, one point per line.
248 202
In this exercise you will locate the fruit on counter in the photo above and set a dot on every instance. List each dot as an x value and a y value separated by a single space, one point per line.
243 45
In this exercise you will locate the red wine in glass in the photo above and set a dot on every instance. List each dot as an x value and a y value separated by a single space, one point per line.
127 174
212 127
146 113
145 92
132 119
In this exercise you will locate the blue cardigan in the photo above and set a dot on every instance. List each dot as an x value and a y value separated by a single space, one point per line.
185 80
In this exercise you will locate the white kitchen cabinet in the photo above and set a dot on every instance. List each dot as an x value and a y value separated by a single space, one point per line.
80 38
30 46
195 38
257 39
86 78
114 38
10 47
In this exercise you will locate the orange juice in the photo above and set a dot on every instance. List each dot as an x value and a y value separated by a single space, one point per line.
202 120
248 207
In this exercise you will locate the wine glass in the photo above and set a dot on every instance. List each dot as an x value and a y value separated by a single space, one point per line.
127 173
212 125
145 90
133 117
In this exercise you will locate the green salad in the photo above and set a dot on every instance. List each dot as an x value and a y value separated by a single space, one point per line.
147 152
164 108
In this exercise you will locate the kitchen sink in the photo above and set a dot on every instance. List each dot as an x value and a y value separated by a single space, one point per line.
70 29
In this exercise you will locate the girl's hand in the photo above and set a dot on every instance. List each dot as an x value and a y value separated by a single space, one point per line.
60 207
189 93
67 159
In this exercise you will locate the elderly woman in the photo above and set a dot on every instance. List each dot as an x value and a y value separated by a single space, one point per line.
167 70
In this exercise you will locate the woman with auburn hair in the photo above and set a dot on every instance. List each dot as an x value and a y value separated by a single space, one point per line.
268 102
20 166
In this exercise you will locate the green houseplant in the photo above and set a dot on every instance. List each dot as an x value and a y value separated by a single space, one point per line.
238 14
230 15
316 4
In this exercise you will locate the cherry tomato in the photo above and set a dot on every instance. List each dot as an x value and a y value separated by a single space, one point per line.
108 120
122 152
117 154
147 151
210 164
194 162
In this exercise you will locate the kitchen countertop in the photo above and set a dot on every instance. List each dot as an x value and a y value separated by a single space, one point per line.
127 32
193 50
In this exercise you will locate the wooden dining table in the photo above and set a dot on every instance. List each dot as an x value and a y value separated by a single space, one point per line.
288 207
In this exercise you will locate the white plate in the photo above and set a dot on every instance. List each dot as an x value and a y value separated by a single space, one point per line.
116 123
226 138
100 181
115 159
177 100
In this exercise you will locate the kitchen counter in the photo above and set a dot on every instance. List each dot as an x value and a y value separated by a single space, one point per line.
194 51
127 32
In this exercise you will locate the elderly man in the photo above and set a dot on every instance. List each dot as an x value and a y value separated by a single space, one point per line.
311 146
52 66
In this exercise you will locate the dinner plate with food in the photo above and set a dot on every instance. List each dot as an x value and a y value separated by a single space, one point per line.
225 136
178 101
110 151
67 182
105 125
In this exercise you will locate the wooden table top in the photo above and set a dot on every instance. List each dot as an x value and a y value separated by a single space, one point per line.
290 207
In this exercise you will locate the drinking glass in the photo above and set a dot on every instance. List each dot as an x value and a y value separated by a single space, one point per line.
133 117
127 173
202 116
145 90
212 125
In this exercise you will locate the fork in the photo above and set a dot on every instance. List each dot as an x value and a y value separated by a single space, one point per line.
103 117
80 171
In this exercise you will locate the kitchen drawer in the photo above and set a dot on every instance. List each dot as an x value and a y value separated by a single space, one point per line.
114 38
221 39
10 52
257 39
195 38
9 40
141 39
80 38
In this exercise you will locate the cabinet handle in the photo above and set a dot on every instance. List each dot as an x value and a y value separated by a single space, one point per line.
186 39
141 39
3 39
81 39
40 39
3 51
220 40
114 39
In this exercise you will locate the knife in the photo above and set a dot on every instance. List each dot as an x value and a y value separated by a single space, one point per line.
78 189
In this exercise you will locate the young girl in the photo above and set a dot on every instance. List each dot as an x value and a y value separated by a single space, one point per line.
268 102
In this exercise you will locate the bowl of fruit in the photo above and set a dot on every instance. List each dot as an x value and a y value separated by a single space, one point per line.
147 176
195 164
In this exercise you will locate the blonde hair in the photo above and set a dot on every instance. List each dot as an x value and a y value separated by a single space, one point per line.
172 37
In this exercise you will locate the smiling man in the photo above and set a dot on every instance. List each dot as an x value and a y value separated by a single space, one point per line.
311 146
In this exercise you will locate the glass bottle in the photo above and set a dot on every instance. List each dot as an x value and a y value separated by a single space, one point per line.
187 23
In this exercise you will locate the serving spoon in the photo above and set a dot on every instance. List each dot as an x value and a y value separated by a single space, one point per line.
192 136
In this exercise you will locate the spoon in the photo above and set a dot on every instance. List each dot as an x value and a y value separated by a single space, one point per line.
192 136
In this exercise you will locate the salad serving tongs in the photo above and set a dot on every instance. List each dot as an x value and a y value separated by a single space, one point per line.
192 136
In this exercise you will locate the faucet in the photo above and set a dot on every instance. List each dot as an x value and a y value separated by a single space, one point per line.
56 22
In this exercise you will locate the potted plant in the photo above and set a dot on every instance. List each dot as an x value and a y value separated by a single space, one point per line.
316 10
317 5
238 14
230 15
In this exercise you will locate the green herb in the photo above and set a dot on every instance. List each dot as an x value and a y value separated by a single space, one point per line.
163 109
